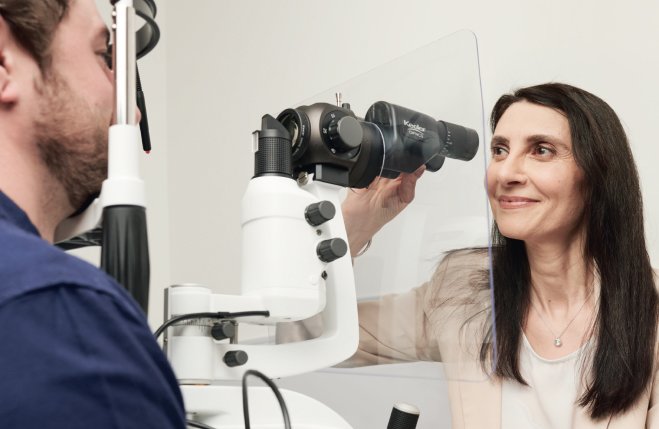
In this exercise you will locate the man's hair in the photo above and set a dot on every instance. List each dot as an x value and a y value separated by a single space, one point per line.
33 23
626 325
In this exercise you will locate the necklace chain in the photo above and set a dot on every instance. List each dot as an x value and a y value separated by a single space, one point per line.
557 338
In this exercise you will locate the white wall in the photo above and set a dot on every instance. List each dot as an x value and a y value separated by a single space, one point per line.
230 62
221 65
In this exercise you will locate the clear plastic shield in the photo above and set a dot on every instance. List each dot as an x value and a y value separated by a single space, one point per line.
425 302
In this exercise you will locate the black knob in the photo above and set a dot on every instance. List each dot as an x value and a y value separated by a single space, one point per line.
345 134
235 358
331 250
319 213
223 330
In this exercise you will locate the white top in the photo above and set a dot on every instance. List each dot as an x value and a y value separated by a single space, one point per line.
548 401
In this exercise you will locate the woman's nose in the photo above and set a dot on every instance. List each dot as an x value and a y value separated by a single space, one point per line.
512 170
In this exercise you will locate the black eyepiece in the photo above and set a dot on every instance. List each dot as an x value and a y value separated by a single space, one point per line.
273 155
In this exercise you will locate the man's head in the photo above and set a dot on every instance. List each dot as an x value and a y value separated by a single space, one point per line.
33 23
65 101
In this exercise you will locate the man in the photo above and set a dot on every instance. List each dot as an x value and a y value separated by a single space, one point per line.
75 350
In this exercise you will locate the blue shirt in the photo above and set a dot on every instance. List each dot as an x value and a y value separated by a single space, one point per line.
75 349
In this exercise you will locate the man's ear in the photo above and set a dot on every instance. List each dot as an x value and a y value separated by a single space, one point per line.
8 89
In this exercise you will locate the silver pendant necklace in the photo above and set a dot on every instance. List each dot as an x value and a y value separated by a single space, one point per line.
557 338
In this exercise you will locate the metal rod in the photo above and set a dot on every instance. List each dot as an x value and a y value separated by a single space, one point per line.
124 59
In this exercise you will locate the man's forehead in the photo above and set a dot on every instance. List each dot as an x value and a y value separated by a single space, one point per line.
83 17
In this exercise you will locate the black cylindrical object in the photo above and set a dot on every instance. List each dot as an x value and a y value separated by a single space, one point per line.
273 156
331 250
403 416
459 142
413 139
339 148
125 250
223 330
371 156
235 358
318 213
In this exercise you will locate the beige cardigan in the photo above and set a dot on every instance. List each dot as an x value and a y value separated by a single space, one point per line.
428 323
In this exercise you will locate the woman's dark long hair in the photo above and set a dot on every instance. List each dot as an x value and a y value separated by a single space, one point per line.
621 365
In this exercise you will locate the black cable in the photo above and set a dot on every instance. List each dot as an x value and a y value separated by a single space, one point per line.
144 121
275 390
147 37
194 424
208 315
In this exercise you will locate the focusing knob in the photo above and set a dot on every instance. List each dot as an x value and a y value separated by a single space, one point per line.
235 358
345 134
319 213
223 330
331 250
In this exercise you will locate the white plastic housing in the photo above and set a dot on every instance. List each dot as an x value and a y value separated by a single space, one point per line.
187 346
279 261
123 185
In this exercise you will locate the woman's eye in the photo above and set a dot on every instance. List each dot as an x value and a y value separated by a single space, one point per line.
543 151
497 150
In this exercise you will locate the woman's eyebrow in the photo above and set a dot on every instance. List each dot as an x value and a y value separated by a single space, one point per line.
537 138
499 140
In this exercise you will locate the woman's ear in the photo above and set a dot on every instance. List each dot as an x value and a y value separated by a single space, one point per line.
8 89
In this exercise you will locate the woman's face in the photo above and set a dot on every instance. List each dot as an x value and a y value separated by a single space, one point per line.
533 182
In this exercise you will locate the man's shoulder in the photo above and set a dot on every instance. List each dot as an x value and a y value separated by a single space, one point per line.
28 264
90 359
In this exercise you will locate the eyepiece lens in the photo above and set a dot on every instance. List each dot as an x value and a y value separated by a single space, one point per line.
288 121
297 125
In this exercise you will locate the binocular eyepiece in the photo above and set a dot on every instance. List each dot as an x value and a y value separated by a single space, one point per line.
340 148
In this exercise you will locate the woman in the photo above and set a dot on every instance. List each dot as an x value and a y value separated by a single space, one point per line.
575 304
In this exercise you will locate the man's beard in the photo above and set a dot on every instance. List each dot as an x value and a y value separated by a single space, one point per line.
72 139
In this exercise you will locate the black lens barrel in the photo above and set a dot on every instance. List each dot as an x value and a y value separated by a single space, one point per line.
413 139
328 139
459 142
273 156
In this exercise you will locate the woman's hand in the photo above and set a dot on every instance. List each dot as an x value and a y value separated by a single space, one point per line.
365 211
